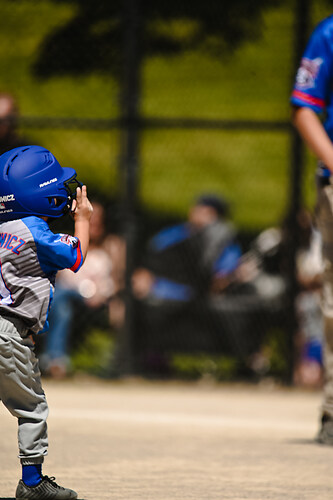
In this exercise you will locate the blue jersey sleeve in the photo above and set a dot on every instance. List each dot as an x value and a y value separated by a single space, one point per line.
228 261
169 237
54 251
314 77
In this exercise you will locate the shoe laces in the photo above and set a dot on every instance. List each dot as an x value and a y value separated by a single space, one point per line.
51 480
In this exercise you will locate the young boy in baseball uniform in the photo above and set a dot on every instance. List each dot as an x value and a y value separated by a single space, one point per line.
34 189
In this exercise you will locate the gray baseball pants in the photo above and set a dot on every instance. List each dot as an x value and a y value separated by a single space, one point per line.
21 390
324 218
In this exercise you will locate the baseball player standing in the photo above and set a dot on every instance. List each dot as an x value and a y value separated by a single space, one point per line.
34 189
313 94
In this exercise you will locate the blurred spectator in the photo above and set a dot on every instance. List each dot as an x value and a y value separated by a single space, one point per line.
261 266
255 305
9 113
264 268
87 297
309 267
185 265
181 275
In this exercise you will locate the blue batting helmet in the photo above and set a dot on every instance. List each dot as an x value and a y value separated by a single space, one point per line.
32 182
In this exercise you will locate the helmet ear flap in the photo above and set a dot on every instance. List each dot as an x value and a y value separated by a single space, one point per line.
58 201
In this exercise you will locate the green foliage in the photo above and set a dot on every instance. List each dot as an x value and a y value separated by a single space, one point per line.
271 361
23 26
248 168
191 366
95 353
252 80
92 37
193 68
275 350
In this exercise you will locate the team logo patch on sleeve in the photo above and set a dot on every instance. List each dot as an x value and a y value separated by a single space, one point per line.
69 240
307 72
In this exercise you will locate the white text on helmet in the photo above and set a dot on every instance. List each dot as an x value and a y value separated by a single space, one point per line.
7 197
48 182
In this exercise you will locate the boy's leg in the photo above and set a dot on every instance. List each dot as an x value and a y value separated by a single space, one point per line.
325 225
21 392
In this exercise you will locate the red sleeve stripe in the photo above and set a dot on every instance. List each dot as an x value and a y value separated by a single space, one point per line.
308 99
78 259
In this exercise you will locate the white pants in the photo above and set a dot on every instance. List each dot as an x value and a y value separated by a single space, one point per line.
21 390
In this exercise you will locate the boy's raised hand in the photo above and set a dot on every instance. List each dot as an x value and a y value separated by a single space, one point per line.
82 210
81 206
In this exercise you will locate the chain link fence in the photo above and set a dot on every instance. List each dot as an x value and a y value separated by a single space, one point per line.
155 106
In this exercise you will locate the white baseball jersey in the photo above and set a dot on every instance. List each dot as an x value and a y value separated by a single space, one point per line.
30 256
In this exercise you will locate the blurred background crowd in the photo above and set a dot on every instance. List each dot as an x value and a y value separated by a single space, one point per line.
204 259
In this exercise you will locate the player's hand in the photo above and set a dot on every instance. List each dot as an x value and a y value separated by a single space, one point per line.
81 206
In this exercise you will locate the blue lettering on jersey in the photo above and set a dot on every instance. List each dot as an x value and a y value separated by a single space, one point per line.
11 242
17 249
3 237
11 238
7 240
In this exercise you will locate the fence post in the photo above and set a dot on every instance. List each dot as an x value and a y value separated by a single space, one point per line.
297 157
129 166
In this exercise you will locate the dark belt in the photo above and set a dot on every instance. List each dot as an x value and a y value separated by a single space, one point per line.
323 175
322 181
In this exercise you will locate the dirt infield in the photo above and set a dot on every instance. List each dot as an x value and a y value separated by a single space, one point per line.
136 440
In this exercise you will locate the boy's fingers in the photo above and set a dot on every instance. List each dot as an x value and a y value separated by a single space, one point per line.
78 195
73 206
83 192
